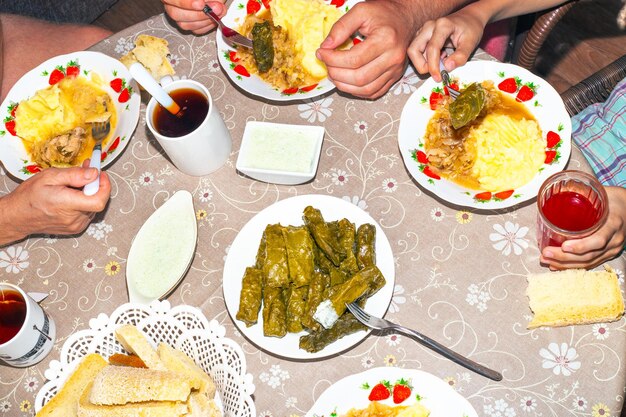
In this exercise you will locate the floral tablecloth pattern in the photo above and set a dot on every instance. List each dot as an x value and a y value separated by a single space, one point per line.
460 274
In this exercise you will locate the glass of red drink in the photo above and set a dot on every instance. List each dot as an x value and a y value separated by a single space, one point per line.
571 205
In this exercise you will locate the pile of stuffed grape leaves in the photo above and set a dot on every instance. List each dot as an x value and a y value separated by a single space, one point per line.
304 276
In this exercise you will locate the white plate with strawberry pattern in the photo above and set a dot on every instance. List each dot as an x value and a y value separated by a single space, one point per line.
117 82
243 77
543 102
354 391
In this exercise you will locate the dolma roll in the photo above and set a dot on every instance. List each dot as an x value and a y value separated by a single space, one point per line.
337 276
347 239
316 341
317 288
275 266
274 312
262 46
329 310
261 253
325 239
300 257
296 308
251 296
366 241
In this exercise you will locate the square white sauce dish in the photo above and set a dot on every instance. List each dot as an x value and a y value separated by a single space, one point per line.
280 153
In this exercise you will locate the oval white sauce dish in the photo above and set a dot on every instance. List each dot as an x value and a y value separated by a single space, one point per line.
162 250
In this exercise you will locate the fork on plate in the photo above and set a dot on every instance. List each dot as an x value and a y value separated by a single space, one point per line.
446 81
382 324
99 131
231 37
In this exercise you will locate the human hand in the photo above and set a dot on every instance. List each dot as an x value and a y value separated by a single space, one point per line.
461 30
188 14
52 202
369 68
602 246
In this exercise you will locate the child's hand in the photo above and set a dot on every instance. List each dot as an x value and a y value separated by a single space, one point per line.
461 30
591 251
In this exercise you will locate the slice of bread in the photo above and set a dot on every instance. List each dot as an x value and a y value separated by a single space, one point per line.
143 409
152 53
201 406
574 296
65 402
177 361
117 385
135 342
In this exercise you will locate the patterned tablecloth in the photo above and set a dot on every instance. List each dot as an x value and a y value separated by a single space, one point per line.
460 274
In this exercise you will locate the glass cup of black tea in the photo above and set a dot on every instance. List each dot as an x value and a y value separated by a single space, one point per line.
26 332
196 139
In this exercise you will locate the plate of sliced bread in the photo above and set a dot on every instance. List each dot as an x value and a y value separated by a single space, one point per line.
148 361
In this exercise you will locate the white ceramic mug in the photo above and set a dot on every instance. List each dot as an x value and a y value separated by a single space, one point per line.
206 148
35 339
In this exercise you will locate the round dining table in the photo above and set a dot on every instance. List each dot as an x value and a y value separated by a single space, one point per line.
460 273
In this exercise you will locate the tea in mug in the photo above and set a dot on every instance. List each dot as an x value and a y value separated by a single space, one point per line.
194 109
12 314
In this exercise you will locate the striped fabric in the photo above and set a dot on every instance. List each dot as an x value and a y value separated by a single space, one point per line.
600 133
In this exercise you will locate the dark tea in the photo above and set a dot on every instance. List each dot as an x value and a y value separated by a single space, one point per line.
194 109
12 314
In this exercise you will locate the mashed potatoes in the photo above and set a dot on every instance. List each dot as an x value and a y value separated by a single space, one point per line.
61 114
502 149
509 152
307 22
376 409
298 29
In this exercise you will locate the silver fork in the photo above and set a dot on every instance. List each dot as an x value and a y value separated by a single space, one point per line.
231 37
446 81
382 324
99 131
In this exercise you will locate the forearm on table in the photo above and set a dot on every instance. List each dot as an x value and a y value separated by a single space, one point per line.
9 231
494 10
421 11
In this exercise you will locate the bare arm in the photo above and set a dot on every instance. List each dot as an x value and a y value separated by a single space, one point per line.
371 67
463 30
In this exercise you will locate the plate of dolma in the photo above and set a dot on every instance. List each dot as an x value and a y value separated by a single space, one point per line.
464 166
431 393
272 70
297 254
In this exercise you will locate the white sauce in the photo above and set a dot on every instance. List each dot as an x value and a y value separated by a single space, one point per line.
163 248
325 314
281 148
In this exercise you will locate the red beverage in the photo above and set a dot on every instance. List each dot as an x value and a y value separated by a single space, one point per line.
12 314
572 205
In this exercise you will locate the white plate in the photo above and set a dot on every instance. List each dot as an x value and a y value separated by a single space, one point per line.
253 84
158 256
436 395
243 251
546 106
12 151
182 327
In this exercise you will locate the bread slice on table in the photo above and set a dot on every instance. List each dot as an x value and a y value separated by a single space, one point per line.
574 296
135 342
152 53
143 409
65 402
116 385
177 361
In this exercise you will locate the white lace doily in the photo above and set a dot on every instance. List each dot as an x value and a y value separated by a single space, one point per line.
182 327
